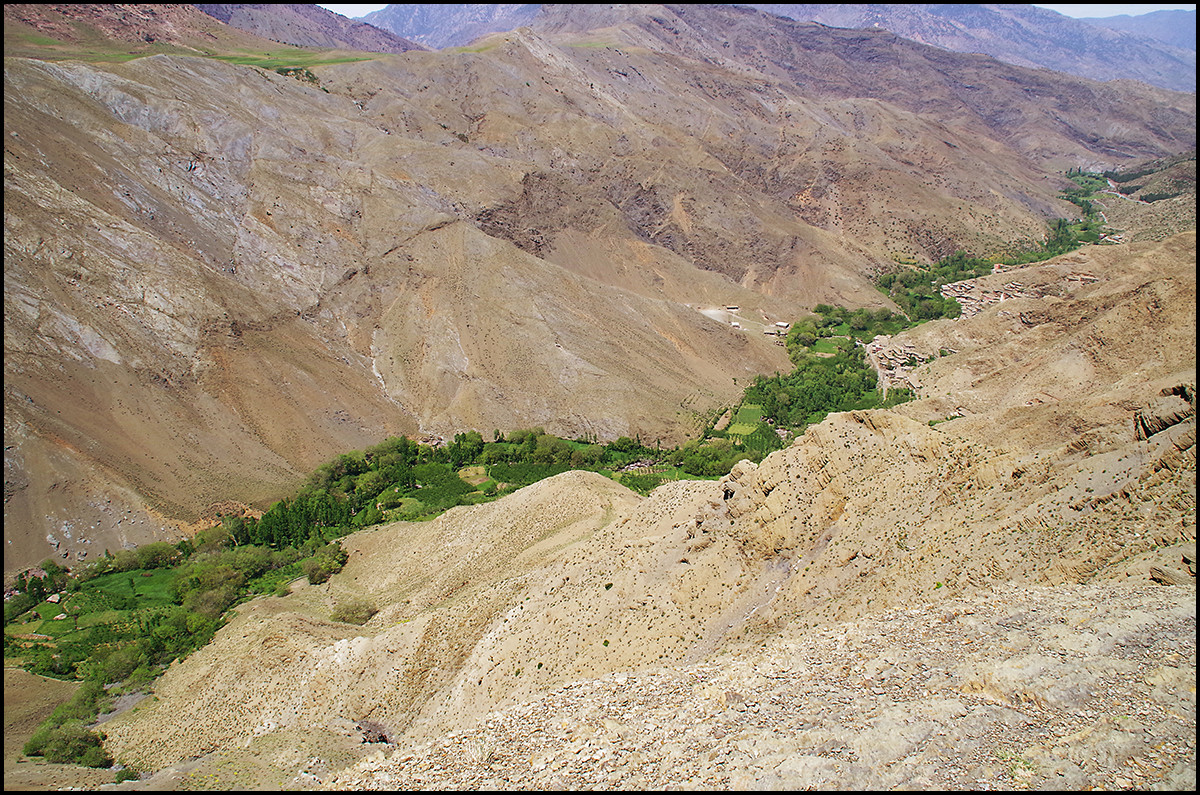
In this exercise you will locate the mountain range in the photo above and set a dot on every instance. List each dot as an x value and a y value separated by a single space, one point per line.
1025 35
306 25
1153 48
1175 27
448 25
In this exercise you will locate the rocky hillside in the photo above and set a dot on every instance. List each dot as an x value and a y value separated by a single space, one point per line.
95 31
972 588
1025 35
306 25
928 698
1153 200
218 275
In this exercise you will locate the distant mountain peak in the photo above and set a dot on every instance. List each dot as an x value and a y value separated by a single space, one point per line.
440 25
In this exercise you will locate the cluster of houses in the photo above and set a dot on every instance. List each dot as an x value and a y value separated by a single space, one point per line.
894 365
641 465
974 300
779 329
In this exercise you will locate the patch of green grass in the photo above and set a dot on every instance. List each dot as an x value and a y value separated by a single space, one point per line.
103 617
746 420
299 59
151 590
741 429
33 38
56 629
749 414
271 580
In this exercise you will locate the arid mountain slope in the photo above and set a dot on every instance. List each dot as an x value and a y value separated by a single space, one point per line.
575 578
106 31
1020 34
217 276
1021 107
1021 687
1153 48
1154 201
306 25
207 292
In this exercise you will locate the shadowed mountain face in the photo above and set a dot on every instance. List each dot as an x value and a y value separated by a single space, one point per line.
1025 35
217 276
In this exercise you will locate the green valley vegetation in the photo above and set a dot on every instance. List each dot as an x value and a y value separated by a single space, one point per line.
830 374
918 291
115 623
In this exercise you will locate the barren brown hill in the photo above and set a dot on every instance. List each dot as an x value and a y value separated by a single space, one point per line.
1037 112
110 31
240 319
217 276
577 599
1152 201
306 25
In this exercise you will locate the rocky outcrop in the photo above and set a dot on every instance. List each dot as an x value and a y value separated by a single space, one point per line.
1173 406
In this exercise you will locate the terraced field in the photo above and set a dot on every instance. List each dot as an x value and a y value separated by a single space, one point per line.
746 421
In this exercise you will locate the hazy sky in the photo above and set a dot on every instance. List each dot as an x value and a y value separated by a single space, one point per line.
353 10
